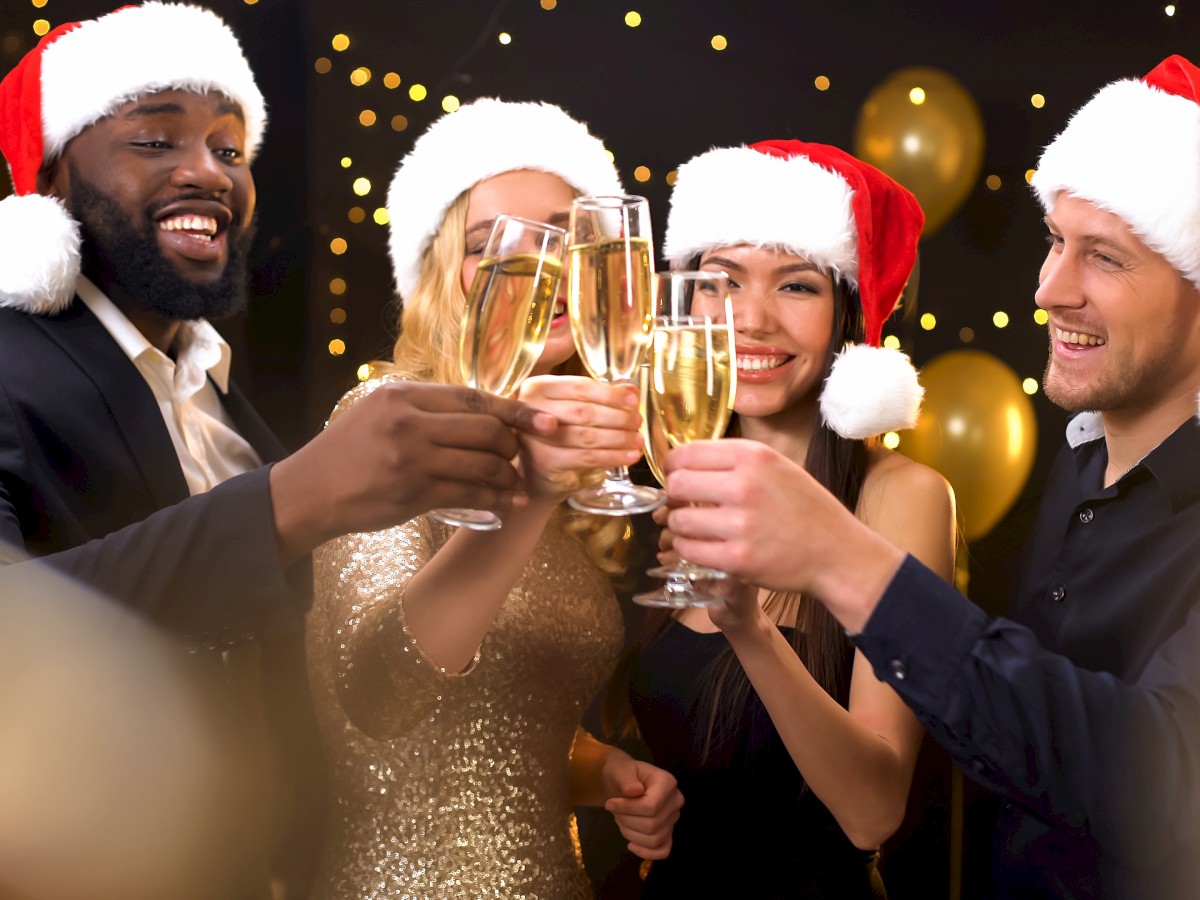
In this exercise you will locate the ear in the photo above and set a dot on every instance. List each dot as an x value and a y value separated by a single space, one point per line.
51 179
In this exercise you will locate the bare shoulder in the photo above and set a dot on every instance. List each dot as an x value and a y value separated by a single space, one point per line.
893 478
362 390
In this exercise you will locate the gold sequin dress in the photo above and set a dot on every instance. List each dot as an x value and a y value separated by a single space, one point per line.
453 785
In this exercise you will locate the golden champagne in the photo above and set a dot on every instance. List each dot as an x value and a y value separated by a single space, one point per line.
610 305
689 389
506 320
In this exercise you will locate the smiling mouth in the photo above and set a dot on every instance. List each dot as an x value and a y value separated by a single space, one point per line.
760 363
200 227
1079 339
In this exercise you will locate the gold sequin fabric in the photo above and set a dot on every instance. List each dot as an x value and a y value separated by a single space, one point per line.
453 785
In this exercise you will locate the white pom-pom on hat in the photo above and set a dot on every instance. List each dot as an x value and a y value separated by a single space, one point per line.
870 390
41 246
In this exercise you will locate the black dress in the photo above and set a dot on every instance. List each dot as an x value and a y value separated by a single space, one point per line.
748 827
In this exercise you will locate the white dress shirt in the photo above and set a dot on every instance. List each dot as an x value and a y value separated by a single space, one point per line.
209 448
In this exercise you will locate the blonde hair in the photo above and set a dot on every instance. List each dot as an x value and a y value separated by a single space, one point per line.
427 349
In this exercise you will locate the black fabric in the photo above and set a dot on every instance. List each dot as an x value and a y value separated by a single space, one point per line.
748 824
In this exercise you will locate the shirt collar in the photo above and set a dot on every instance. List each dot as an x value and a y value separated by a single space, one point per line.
196 336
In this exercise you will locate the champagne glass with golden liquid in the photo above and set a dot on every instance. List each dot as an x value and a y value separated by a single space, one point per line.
611 312
688 386
506 320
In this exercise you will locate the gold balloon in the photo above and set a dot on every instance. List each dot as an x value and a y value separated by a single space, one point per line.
978 429
922 127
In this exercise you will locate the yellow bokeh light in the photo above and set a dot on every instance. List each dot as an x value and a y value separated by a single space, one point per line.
338 246
391 81
891 440
337 287
250 2
671 176
1169 9
1037 101
916 96
417 92
719 42
340 42
609 154
1000 319
337 347
450 103
356 214
821 83
367 117
322 65
360 76
364 372
928 321
347 162
381 216
966 335
505 38
642 174
1029 173
1030 386
39 3
1041 316
362 186
633 19
891 342
993 182
549 4
40 27
337 315
399 123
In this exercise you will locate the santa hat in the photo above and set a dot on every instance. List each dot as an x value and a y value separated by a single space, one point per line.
77 74
480 139
1134 151
836 211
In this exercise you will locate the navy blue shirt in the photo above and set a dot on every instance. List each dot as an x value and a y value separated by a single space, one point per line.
1083 710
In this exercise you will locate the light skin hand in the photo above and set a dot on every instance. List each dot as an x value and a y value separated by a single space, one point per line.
406 448
644 801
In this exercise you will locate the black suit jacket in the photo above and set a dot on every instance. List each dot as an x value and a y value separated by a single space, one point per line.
90 483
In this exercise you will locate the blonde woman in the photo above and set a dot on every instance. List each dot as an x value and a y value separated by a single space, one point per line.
451 667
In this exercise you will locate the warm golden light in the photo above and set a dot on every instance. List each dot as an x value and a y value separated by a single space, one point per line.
337 287
381 216
322 65
609 154
1000 319
250 2
549 4
399 123
1037 101
40 27
356 214
671 176
993 182
337 347
633 19
367 117
719 42
39 3
642 174
891 440
966 335
916 96
360 76
450 103
1169 9
338 246
417 92
337 315
1041 316
391 81
340 42
1016 432
364 372
505 38
928 321
1029 173
347 162
891 342
821 83
361 186
1030 386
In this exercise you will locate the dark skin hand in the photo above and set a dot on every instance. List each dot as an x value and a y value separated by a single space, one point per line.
404 449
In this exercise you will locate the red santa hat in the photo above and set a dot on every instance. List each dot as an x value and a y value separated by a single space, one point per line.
836 211
77 74
480 139
1134 150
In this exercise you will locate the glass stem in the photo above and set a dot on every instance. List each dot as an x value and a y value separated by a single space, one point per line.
618 475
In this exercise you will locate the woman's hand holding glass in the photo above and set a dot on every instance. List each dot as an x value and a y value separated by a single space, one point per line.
687 386
611 311
506 320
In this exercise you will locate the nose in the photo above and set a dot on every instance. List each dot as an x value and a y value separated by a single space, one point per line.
1059 283
198 168
750 313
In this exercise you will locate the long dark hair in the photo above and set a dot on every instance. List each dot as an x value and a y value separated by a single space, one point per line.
840 465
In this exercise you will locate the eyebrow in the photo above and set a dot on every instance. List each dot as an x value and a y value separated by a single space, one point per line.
485 225
226 108
790 267
1092 239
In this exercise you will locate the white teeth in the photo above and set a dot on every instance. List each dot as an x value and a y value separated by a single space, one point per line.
1076 337
759 363
199 226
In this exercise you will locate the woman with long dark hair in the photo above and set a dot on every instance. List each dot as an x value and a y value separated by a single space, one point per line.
796 761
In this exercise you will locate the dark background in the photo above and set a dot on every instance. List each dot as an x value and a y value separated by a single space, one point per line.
656 94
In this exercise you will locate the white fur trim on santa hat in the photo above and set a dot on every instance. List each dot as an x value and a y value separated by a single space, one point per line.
104 63
737 195
1134 151
479 140
869 391
41 254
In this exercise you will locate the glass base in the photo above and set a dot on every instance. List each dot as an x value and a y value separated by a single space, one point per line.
616 498
676 595
475 519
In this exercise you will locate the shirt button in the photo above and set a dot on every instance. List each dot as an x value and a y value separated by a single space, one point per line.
898 670
1086 516
1059 594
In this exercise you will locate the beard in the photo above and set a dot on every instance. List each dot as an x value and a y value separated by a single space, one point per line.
1124 384
113 243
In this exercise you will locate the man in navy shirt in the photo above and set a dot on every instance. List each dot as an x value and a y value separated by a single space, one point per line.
1082 711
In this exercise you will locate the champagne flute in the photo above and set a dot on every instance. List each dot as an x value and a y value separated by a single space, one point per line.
611 313
506 320
688 386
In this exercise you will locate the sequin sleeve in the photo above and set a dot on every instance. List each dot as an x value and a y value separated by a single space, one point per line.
385 683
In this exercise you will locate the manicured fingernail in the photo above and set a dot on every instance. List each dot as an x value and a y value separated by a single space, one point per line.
545 422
